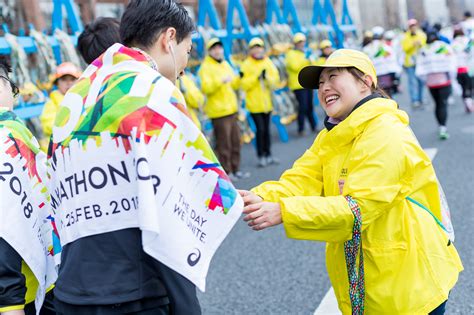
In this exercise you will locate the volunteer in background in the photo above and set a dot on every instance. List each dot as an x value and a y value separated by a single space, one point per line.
259 77
413 40
295 60
64 78
218 83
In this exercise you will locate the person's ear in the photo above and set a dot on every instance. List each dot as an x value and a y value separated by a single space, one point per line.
169 36
368 82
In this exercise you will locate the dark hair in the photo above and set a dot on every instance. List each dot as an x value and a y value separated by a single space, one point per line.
144 20
431 36
467 14
97 37
359 75
5 67
458 31
437 27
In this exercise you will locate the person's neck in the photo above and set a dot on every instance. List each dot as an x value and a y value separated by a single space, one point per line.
216 59
258 57
331 122
148 55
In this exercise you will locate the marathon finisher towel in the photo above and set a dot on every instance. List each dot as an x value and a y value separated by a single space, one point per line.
26 220
383 57
125 154
437 57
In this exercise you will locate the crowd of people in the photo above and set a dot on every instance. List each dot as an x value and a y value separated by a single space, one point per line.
338 192
422 53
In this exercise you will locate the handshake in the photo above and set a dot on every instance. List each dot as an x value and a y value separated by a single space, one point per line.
260 214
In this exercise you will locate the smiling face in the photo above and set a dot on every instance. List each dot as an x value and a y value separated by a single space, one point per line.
257 52
339 91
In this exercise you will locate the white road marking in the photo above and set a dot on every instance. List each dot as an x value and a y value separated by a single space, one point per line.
431 152
328 305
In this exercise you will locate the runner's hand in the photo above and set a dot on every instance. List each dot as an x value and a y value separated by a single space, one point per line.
263 215
249 197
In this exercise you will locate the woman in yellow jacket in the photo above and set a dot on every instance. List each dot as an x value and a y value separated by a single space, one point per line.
259 77
64 78
218 83
366 188
295 61
192 95
326 50
413 40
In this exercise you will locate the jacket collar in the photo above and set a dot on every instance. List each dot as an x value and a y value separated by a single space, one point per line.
215 61
330 123
351 127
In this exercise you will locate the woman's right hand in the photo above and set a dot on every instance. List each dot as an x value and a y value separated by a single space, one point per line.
249 197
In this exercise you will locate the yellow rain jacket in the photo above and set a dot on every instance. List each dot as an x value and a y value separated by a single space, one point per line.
48 116
320 61
258 91
192 95
295 61
372 156
221 97
409 47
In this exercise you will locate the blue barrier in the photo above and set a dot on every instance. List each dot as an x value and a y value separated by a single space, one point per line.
29 110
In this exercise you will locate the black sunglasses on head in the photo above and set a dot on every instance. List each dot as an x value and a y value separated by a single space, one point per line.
15 89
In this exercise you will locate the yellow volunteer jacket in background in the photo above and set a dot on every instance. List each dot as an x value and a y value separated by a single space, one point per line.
295 60
48 116
409 47
192 95
320 61
221 97
258 91
372 156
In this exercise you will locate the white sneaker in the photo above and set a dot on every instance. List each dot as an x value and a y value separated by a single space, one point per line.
469 105
233 178
262 162
416 105
272 160
241 175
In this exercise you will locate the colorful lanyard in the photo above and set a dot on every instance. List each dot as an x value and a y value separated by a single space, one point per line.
351 249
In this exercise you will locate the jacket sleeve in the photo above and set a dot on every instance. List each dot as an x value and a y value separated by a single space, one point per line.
235 83
12 281
294 64
250 78
379 179
47 117
210 83
273 77
193 96
407 44
305 178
